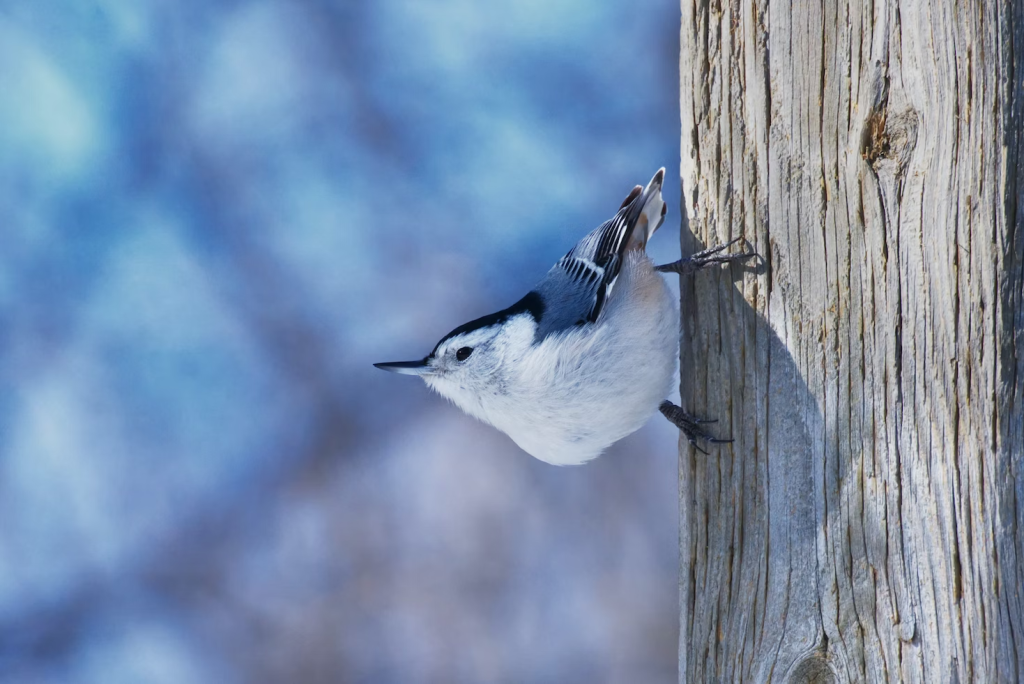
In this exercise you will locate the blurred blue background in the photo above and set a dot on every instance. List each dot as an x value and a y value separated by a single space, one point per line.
214 216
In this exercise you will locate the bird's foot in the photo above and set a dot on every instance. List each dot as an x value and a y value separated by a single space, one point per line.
709 257
690 426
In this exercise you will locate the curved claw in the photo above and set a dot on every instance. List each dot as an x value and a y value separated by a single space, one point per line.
709 257
690 426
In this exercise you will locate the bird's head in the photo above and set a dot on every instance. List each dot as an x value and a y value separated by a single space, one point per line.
472 365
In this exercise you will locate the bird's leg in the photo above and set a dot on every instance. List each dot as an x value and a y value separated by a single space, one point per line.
690 426
709 257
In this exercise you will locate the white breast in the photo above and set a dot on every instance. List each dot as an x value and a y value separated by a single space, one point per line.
578 392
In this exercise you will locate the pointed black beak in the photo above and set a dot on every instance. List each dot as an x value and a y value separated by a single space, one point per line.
420 367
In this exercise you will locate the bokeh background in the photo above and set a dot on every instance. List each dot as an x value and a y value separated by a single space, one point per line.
214 217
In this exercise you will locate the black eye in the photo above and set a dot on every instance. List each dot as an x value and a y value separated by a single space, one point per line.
463 353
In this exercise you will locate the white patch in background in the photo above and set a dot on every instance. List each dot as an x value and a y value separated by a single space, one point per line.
48 127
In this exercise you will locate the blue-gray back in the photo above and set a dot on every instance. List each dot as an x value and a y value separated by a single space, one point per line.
576 288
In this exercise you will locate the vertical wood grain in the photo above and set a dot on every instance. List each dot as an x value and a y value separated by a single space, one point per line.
865 525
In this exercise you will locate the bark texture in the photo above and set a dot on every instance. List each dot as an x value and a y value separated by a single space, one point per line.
866 524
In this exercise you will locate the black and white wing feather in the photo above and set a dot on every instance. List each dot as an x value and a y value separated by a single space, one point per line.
577 287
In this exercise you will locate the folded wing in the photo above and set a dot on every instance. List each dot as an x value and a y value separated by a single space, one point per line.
577 287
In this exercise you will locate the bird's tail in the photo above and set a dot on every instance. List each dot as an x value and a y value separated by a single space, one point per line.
652 213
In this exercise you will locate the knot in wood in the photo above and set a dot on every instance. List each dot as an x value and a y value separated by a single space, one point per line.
812 669
888 140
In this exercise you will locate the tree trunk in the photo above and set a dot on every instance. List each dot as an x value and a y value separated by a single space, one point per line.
866 523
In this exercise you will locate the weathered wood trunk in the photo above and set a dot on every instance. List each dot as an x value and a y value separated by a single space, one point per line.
866 524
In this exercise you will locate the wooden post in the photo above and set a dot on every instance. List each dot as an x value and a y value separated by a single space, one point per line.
866 524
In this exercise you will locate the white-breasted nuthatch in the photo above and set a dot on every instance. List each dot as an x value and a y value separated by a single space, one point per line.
587 356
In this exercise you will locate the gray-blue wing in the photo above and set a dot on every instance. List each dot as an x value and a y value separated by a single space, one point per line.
574 292
576 288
